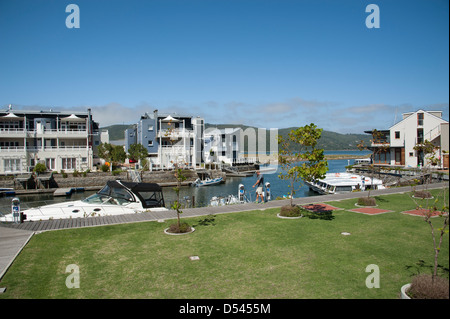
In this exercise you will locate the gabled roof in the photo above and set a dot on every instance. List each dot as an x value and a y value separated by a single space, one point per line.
419 111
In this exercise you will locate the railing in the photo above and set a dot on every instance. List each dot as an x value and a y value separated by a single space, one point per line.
433 133
40 148
44 131
175 133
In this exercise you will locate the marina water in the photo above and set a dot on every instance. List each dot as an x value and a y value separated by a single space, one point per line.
203 195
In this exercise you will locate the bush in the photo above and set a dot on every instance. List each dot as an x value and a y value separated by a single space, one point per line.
184 228
116 172
76 173
422 287
290 211
366 201
104 168
40 168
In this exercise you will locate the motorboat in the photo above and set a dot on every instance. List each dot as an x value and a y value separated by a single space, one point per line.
115 198
337 183
208 181
7 192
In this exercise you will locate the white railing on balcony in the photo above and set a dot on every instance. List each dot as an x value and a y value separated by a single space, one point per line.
39 148
175 133
46 131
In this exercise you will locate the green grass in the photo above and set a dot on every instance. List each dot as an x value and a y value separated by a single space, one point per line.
242 255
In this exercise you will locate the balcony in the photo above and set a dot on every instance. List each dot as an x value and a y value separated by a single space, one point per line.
175 134
14 150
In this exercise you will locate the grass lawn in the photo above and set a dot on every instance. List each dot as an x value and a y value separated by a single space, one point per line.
242 255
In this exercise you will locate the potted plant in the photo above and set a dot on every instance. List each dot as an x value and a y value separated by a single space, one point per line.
178 228
425 286
300 160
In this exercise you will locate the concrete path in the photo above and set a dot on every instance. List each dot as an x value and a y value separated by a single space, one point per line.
11 243
13 237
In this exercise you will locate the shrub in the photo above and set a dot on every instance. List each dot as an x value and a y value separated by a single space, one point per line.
76 173
184 228
40 168
116 172
290 211
366 201
104 168
422 287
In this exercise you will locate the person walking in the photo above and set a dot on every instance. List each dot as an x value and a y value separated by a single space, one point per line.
259 189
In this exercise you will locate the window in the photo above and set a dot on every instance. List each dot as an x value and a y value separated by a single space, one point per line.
68 163
150 128
411 154
12 164
419 118
397 134
420 135
150 143
50 163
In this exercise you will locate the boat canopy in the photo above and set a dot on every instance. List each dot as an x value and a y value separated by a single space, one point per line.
150 194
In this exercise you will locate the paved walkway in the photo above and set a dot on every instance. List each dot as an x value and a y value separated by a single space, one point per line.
11 243
13 237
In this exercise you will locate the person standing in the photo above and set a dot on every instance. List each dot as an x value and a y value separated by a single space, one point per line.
259 186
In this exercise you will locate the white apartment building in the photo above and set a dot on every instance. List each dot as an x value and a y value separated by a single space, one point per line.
396 145
169 139
61 140
222 145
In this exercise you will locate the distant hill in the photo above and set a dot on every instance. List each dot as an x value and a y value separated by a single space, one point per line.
328 141
116 132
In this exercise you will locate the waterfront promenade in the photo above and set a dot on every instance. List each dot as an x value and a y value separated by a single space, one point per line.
13 237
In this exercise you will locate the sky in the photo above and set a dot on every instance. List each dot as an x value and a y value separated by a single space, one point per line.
264 63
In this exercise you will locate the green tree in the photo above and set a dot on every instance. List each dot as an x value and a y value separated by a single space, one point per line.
137 152
40 168
308 163
382 146
111 153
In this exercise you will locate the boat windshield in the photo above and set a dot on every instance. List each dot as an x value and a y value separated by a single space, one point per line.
110 195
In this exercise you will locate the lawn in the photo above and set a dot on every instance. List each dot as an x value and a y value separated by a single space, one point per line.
241 255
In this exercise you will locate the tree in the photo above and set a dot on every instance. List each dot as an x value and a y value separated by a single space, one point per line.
112 153
308 163
40 168
137 152
383 147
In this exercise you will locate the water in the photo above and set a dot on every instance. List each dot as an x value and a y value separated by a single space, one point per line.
203 195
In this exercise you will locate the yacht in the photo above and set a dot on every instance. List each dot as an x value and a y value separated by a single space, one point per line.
115 198
337 183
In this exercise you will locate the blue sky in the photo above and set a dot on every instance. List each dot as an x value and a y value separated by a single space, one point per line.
265 63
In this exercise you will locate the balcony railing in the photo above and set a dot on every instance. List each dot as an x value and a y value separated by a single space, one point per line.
11 149
45 131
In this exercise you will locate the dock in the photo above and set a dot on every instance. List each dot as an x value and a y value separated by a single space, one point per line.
67 191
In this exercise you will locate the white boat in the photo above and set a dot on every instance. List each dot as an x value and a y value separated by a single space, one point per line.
208 181
115 198
337 183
